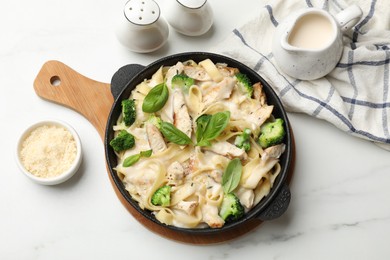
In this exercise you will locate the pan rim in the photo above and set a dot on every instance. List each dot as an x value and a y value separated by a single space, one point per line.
141 75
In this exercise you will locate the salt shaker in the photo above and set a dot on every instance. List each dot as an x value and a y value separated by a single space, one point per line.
141 28
189 17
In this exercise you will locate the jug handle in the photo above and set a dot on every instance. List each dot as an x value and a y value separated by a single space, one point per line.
348 17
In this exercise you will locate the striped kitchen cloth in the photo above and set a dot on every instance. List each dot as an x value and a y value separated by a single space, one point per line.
355 95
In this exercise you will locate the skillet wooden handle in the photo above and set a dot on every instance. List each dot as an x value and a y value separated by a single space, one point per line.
59 83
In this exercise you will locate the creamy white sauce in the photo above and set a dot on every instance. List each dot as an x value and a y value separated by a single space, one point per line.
312 31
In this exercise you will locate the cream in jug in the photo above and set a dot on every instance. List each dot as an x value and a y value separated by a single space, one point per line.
308 44
312 31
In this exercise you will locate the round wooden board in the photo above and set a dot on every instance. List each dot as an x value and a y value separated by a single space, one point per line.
59 83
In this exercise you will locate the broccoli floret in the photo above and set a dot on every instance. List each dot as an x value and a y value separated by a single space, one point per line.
243 140
155 120
272 133
231 208
244 84
162 196
182 81
128 111
122 141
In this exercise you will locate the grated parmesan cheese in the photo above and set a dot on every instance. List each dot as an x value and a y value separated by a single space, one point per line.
48 151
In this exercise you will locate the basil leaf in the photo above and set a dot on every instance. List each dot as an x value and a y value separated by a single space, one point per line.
174 135
201 124
232 176
147 153
217 123
204 143
129 161
156 98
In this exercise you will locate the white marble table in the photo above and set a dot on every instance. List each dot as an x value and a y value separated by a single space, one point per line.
340 190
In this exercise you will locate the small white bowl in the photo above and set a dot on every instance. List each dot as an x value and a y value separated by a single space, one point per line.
61 177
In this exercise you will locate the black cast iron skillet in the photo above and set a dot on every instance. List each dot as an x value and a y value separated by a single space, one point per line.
128 77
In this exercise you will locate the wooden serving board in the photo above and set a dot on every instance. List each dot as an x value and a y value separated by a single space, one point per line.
59 83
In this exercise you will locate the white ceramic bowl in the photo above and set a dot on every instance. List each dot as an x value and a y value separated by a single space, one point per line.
61 177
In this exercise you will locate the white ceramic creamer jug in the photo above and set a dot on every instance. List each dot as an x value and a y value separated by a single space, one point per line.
309 44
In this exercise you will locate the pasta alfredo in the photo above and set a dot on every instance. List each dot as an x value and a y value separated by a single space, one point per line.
193 167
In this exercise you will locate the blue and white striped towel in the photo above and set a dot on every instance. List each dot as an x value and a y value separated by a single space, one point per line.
355 96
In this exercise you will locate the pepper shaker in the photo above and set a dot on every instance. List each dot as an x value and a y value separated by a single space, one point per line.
142 28
189 17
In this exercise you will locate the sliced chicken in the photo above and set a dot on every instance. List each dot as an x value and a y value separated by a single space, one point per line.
227 71
166 112
155 138
260 115
273 152
246 197
227 149
221 90
172 71
211 217
197 73
181 117
259 94
187 206
190 165
175 174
